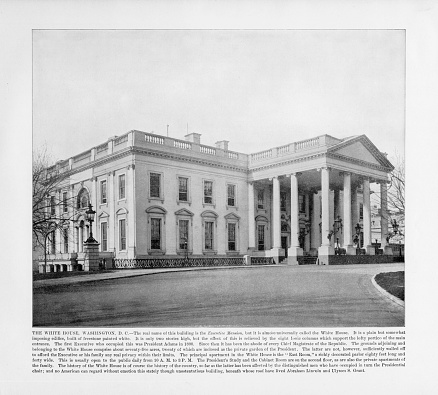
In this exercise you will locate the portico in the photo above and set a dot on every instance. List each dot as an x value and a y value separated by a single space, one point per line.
313 194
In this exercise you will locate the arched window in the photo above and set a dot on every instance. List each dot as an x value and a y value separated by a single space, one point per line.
83 198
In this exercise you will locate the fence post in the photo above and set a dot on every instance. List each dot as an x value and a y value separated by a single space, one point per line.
247 259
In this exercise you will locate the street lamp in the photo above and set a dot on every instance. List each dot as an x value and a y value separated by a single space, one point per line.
90 218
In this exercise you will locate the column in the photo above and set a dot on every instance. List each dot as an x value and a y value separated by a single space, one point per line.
72 228
76 239
294 249
387 250
307 210
131 211
251 220
276 220
367 218
348 232
111 213
81 238
354 210
326 249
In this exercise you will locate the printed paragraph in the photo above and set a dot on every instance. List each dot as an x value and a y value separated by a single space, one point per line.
216 351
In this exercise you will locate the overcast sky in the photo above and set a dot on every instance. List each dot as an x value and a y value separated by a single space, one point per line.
257 89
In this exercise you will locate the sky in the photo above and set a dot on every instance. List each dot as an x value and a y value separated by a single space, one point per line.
256 88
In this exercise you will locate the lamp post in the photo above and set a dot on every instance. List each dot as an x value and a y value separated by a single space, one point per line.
90 218
356 238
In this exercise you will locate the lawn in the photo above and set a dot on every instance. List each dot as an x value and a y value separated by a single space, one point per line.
394 283
46 276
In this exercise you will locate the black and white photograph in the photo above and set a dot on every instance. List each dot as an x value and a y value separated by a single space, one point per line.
218 178
208 197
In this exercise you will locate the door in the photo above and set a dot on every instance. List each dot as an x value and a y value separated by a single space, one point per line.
284 245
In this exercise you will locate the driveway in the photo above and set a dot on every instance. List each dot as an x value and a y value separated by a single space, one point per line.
270 296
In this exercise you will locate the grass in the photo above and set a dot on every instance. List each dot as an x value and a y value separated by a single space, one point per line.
45 276
394 283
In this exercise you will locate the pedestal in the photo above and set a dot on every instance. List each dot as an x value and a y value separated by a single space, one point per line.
371 250
91 256
323 253
293 253
388 251
275 253
351 250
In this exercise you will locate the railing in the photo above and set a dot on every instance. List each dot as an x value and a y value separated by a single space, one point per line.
307 143
182 144
232 155
283 149
207 150
151 263
262 260
262 155
102 148
84 155
150 138
121 140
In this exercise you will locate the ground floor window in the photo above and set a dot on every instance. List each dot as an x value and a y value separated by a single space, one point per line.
65 236
122 234
104 236
183 234
231 237
261 237
209 235
155 233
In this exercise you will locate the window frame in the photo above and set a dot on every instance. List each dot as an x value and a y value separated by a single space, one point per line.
64 202
156 212
209 216
263 205
103 241
178 200
184 215
121 249
229 184
161 186
119 189
212 203
104 196
65 239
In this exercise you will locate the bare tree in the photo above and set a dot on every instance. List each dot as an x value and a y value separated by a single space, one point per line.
396 188
51 208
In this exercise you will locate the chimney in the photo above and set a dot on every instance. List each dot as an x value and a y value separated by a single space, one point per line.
193 138
223 144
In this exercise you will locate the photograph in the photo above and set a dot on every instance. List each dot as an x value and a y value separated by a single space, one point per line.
218 178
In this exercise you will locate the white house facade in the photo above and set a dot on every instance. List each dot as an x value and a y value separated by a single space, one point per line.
159 199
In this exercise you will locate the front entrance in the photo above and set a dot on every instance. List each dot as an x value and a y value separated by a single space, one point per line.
284 245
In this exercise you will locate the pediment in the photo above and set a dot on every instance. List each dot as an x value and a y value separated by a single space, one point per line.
261 218
103 214
232 216
156 210
361 149
209 214
185 212
122 210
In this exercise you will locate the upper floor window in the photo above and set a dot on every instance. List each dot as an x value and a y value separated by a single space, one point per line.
103 192
155 185
64 202
83 198
261 198
360 211
301 204
231 194
65 237
183 190
208 192
52 205
122 188
283 198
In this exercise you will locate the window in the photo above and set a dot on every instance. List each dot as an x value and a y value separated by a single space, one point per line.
52 243
231 193
208 192
155 233
155 185
122 234
104 236
52 205
183 195
122 191
260 198
103 192
65 236
360 211
208 236
83 199
231 237
183 234
261 237
283 201
301 204
64 202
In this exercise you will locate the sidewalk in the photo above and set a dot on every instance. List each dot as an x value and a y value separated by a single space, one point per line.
99 276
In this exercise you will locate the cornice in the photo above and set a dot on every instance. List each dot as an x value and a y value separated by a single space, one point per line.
287 162
184 158
356 161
